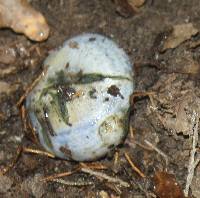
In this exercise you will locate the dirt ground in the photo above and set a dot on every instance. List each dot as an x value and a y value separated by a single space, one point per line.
166 118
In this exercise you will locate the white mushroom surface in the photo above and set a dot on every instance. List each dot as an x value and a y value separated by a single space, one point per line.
80 107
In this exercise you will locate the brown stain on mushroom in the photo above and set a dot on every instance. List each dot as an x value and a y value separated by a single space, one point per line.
66 152
73 44
114 91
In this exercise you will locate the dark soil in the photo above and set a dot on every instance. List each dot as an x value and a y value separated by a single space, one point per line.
140 36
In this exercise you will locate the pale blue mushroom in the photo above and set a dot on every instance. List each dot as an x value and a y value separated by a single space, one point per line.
79 109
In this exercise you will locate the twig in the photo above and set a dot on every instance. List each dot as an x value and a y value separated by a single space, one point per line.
55 176
116 158
192 161
106 177
23 117
70 183
22 98
135 168
134 143
93 165
12 164
33 132
132 130
38 152
26 124
158 151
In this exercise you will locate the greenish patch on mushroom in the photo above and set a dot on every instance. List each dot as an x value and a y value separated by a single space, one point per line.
58 103
62 78
94 77
92 93
44 133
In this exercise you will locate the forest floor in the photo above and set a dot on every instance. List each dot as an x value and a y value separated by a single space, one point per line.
163 42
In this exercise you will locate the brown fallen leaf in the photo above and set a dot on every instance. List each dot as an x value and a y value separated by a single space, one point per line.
180 33
166 186
22 18
136 3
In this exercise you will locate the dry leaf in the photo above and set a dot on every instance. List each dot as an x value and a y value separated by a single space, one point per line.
180 33
166 186
22 18
103 194
136 3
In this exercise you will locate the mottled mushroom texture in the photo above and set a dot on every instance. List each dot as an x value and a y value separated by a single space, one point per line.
80 107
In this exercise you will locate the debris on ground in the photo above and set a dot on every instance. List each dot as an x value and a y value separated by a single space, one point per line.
34 186
5 183
103 194
136 3
196 183
127 8
194 156
166 186
7 88
22 18
176 100
162 135
179 34
7 55
7 71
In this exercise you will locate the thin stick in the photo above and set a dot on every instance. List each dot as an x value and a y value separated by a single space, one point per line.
38 152
21 149
55 176
142 93
22 98
96 166
116 158
70 183
137 170
35 138
23 116
131 132
158 151
134 143
106 177
12 164
27 124
192 161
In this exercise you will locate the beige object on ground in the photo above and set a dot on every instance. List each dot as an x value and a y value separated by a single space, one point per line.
180 33
136 3
22 18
